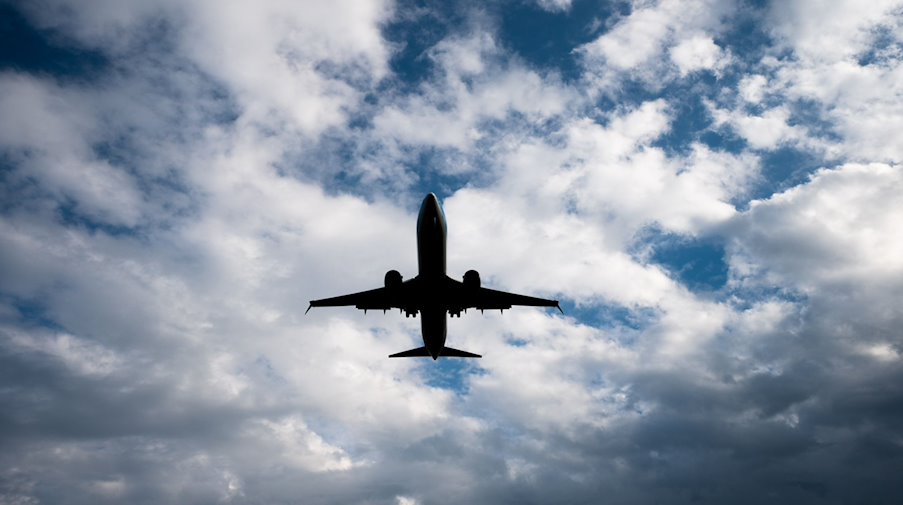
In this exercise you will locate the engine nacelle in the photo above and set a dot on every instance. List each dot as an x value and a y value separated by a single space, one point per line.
393 279
472 279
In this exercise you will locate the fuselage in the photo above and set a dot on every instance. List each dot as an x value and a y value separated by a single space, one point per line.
431 235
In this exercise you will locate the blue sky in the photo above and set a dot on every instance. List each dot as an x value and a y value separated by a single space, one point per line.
711 188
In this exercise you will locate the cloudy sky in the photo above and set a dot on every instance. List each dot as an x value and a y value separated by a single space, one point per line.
712 188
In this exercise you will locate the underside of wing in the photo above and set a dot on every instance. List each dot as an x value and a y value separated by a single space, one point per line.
486 298
374 299
478 297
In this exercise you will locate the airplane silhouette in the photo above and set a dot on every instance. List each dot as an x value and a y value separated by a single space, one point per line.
432 293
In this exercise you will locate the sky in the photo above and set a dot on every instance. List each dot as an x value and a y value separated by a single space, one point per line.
712 189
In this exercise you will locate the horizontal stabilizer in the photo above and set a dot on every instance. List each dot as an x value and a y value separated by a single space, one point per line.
449 352
413 353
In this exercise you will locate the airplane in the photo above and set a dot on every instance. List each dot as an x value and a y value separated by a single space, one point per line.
432 293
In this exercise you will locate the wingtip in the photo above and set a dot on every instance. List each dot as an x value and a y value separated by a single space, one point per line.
308 309
558 306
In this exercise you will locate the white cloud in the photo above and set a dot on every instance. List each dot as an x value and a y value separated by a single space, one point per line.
615 172
698 53
471 87
768 130
636 43
858 98
828 31
288 64
634 40
51 131
555 5
752 88
291 441
884 352
79 355
464 56
836 230
269 54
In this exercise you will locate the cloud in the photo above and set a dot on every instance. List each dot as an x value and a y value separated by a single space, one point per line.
769 130
836 65
752 88
283 63
829 31
835 230
167 219
612 173
286 65
634 45
698 53
470 90
63 162
862 104
555 5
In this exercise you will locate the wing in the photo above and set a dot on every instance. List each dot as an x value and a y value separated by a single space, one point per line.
374 299
467 297
486 298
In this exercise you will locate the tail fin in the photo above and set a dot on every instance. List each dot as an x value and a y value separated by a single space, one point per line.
446 352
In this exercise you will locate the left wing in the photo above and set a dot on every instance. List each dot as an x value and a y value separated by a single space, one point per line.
374 299
478 297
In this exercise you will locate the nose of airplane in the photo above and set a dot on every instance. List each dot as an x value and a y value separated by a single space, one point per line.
430 204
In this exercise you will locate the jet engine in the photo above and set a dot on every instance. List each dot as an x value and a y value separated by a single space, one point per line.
472 279
393 279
